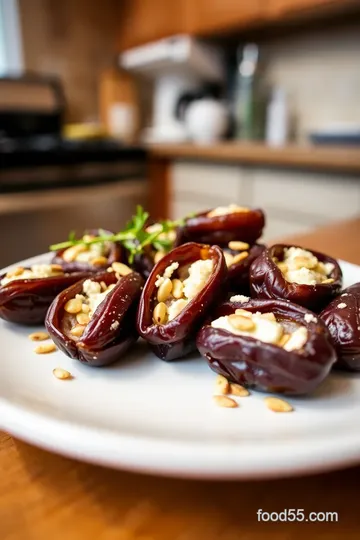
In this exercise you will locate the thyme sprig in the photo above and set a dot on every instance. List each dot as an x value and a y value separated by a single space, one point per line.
133 237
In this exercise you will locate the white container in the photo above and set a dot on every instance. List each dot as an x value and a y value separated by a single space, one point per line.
206 120
277 119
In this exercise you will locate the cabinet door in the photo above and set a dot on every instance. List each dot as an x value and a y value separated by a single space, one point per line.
206 16
143 21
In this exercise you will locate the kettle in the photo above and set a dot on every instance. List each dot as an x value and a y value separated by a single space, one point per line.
205 116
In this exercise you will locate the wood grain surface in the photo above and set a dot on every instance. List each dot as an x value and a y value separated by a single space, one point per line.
45 496
294 156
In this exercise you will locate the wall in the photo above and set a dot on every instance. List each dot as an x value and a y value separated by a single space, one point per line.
321 71
73 39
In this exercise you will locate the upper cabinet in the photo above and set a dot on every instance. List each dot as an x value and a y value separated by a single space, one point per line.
143 21
212 16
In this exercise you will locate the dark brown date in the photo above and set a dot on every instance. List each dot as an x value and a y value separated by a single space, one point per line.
267 281
264 366
220 230
114 255
176 338
26 301
239 273
342 317
111 330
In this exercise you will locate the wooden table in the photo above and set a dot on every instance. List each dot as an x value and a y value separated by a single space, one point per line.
45 496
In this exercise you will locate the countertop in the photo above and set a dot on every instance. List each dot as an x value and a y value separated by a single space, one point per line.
45 496
337 159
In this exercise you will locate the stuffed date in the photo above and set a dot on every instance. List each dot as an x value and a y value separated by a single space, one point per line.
89 256
222 225
94 320
308 278
181 289
269 345
26 293
342 317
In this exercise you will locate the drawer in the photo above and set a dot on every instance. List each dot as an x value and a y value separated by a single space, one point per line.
328 197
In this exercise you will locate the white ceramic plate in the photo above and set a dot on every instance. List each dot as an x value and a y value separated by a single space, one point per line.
147 415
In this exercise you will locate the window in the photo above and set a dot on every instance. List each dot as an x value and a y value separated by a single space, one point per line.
10 38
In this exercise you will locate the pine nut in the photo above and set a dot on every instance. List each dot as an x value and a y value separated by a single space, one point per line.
158 256
238 390
160 313
39 336
99 261
61 373
82 318
327 281
72 252
243 312
229 259
224 401
240 257
284 339
238 246
45 348
221 385
241 323
56 268
270 316
283 267
73 305
103 285
278 405
121 268
88 237
17 272
85 308
177 288
164 290
77 330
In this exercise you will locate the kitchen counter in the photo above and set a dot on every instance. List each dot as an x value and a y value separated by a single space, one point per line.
304 157
43 495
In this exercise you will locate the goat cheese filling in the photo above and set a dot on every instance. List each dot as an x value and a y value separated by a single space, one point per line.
303 267
37 271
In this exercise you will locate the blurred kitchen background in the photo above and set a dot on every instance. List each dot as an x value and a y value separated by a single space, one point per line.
178 106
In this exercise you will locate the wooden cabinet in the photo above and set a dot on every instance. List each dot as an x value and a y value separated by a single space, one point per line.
143 21
280 8
207 16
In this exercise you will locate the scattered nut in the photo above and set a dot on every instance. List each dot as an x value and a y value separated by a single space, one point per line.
82 318
57 268
164 290
77 330
160 313
270 316
240 257
283 340
39 336
224 401
241 323
177 288
45 348
62 374
72 252
238 246
221 385
121 268
158 256
99 261
327 281
238 390
278 405
74 305
16 272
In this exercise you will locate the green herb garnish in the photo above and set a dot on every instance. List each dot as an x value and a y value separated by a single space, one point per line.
134 237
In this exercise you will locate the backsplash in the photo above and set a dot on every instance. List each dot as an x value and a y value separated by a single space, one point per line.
321 73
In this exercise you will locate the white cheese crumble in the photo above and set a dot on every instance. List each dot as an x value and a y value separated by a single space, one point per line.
265 329
93 296
37 271
199 273
309 317
342 305
171 269
114 325
224 210
239 298
303 267
175 308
